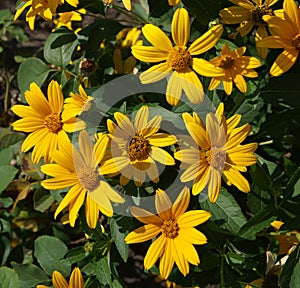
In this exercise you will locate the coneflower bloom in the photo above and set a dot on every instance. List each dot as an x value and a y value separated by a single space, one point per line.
285 34
59 281
79 170
178 58
176 229
77 104
43 120
44 8
249 14
235 66
218 152
136 146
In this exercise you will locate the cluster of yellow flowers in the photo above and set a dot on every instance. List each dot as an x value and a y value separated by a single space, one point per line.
132 148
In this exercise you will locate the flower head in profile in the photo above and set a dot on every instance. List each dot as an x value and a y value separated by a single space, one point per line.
178 58
136 146
285 34
126 3
218 152
43 8
79 170
249 14
77 104
43 120
175 232
235 66
59 281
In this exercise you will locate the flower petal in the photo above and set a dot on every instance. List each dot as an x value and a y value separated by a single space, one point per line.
154 252
141 118
237 179
167 260
284 61
179 255
234 15
148 54
91 212
174 89
181 27
193 236
163 204
155 73
193 218
55 97
181 203
76 280
142 234
162 140
58 280
161 156
145 216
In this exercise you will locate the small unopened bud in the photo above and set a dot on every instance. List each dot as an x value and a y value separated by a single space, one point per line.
87 67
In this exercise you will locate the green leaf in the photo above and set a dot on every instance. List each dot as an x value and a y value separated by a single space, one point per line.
92 6
226 209
49 250
29 275
11 139
75 255
6 201
6 155
7 174
118 237
8 278
257 223
102 271
31 70
42 199
59 47
295 280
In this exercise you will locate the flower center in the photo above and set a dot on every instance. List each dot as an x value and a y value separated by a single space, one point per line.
179 59
227 62
170 228
138 148
296 41
89 178
216 157
258 12
53 122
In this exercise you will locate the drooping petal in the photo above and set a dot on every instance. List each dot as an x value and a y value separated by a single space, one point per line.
74 207
245 28
284 61
240 82
206 41
214 83
179 255
181 27
148 54
142 234
91 212
154 252
157 37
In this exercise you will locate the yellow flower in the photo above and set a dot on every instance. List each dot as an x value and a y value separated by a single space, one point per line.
77 104
127 3
249 14
44 8
135 147
43 120
218 153
58 280
123 68
79 170
128 37
285 34
235 66
65 19
174 2
175 244
178 59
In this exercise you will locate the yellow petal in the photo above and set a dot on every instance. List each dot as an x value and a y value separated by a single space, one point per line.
142 234
280 27
157 37
145 216
162 139
76 280
189 252
179 255
167 260
272 42
127 4
292 13
234 15
101 147
214 184
240 83
191 172
237 136
193 218
29 124
193 236
181 203
154 252
55 97
74 207
243 3
91 212
236 178
206 41
174 89
161 156
245 28
148 54
25 111
86 149
100 198
198 134
58 280
214 83
261 33
155 73
141 118
114 165
181 27
205 68
163 204
189 156
201 180
284 61
152 127
55 170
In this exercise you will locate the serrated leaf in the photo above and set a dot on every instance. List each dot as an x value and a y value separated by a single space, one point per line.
118 237
31 70
8 278
226 209
49 250
60 46
7 174
29 275
102 271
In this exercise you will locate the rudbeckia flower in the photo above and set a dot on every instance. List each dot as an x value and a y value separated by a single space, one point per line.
79 170
59 281
235 66
43 120
218 152
249 14
178 58
77 104
285 34
126 3
176 229
44 8
136 146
